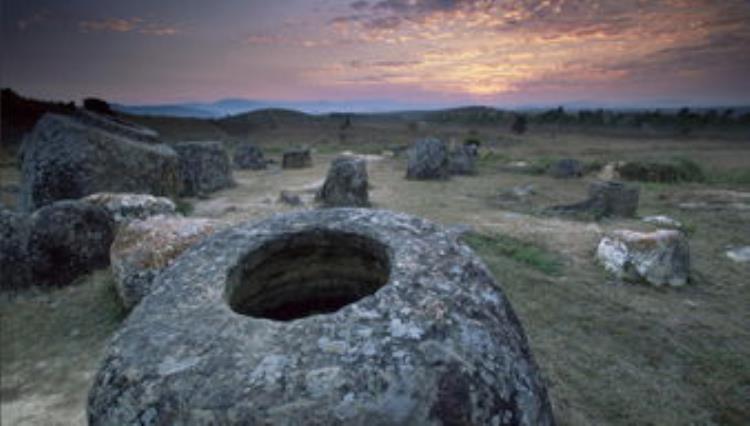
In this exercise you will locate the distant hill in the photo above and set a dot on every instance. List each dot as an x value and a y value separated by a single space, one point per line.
166 110
18 115
235 106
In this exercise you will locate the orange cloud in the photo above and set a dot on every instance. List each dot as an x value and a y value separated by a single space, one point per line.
486 47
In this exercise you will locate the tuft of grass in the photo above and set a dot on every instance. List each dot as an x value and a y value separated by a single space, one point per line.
519 251
675 170
183 207
739 176
492 158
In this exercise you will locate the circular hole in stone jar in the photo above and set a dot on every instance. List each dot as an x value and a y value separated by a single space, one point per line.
307 273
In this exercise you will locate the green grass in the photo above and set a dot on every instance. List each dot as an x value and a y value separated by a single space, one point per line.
740 176
489 159
675 170
183 207
528 254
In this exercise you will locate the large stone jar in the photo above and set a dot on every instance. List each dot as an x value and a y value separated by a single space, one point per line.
325 317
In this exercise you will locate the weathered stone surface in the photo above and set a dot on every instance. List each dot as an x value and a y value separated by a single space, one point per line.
116 125
14 262
661 220
606 199
64 158
204 167
565 168
127 207
289 197
296 159
331 316
67 239
658 258
615 198
739 254
462 160
249 156
472 145
428 159
143 248
346 184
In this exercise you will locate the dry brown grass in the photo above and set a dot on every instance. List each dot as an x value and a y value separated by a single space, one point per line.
611 353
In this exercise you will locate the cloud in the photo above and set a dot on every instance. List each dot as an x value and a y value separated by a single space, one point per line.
359 5
37 18
486 47
126 25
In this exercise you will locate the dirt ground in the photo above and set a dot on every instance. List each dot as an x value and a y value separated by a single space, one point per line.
611 353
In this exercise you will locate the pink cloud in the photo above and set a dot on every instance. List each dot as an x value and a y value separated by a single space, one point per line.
125 25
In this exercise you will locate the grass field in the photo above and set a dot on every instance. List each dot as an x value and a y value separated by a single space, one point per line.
611 353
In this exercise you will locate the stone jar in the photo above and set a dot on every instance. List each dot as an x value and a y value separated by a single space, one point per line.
323 317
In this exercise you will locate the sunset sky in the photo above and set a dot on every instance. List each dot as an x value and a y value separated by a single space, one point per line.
506 53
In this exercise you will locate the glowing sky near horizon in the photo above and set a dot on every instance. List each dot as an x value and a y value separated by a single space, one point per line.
499 52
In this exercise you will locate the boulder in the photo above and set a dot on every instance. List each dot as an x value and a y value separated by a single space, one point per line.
329 317
144 248
116 125
616 199
658 258
14 263
296 159
606 199
739 254
68 239
249 156
565 168
472 146
428 159
124 208
345 184
462 161
204 167
290 198
65 158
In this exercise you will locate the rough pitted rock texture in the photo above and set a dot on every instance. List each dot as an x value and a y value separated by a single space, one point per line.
68 239
204 167
143 248
606 199
296 159
462 161
614 198
346 184
565 168
114 124
14 263
323 317
428 159
658 258
249 156
127 207
64 158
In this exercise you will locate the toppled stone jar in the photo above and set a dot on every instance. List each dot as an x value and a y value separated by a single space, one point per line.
325 317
